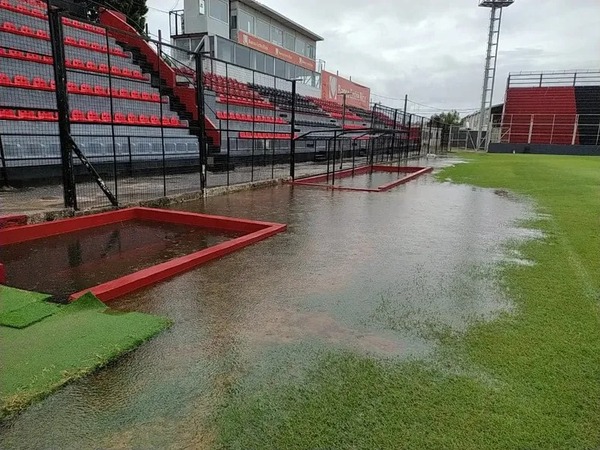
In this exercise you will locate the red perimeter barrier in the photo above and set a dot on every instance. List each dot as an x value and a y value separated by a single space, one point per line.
317 180
254 232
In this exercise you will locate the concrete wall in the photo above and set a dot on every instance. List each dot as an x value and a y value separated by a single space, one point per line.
546 149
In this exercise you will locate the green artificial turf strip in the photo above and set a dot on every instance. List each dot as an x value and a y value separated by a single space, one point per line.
28 314
77 340
11 298
530 379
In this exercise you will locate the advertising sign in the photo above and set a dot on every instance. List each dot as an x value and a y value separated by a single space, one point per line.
333 87
274 50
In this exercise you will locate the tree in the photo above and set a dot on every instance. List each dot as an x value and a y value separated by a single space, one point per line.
447 118
135 10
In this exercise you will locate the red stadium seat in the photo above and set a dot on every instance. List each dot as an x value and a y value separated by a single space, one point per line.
86 89
91 66
155 97
124 93
21 81
126 72
120 118
47 115
70 40
102 68
77 63
7 114
135 95
92 116
34 57
155 120
101 91
146 96
105 117
77 115
8 27
23 114
42 34
40 83
5 80
143 119
114 70
72 87
83 43
132 118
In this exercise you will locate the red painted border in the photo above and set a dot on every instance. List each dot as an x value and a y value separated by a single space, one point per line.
255 232
316 180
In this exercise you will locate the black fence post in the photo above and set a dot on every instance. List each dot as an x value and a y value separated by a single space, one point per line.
112 115
335 138
162 127
62 104
3 170
293 134
394 134
201 117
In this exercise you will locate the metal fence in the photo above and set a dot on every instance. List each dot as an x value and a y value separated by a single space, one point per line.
105 116
552 129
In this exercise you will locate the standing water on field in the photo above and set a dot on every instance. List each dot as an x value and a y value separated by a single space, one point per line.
64 264
376 274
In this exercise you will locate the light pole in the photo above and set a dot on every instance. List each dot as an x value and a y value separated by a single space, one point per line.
489 75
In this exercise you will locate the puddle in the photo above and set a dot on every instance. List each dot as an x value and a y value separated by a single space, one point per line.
378 274
62 265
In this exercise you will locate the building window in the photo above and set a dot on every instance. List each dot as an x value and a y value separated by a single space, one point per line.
259 61
300 46
276 36
245 22
269 65
225 50
233 22
242 56
263 30
219 10
289 42
280 67
310 51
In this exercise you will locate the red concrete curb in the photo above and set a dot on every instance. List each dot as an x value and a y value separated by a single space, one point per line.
13 220
316 180
255 232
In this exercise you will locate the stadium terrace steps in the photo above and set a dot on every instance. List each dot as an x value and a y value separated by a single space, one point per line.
555 111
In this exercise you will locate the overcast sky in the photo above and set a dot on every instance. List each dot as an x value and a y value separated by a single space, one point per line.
434 50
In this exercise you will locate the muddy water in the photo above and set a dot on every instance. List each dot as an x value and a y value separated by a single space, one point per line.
378 274
369 180
62 265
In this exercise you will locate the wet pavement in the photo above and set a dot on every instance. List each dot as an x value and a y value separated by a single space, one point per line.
376 274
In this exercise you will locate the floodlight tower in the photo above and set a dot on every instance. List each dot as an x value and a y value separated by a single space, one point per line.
489 75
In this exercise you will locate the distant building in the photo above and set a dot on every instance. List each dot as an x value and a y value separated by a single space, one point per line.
471 121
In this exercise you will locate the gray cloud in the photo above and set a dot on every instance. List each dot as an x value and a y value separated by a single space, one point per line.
433 50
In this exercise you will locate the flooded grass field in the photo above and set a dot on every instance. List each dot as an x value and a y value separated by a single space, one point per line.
310 338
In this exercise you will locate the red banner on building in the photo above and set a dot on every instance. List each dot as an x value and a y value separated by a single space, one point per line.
333 87
274 50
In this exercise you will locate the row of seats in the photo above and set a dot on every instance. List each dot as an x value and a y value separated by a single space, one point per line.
277 136
78 116
222 115
336 110
36 3
315 124
241 101
24 30
40 84
40 13
86 66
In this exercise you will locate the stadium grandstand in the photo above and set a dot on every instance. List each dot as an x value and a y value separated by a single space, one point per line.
237 96
555 112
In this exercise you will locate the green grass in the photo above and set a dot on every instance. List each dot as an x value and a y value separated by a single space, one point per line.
71 343
19 309
528 380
